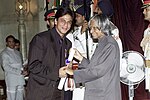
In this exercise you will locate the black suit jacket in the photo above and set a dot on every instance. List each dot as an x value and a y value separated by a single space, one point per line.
44 65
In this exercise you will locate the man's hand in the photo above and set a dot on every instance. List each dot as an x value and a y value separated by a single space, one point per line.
78 55
62 72
69 71
84 27
24 72
145 41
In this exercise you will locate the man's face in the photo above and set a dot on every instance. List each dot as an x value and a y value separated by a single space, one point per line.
50 22
95 32
63 24
79 19
97 10
17 46
10 43
146 13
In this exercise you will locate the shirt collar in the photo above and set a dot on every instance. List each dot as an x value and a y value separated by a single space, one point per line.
10 49
58 38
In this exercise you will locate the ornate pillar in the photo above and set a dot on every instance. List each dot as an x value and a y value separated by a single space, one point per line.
22 33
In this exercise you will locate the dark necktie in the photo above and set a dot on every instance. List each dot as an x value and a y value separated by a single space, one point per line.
62 53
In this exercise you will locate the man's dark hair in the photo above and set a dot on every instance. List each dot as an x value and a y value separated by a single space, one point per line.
63 11
10 36
17 41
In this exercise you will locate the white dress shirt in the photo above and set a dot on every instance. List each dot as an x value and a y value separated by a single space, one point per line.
79 42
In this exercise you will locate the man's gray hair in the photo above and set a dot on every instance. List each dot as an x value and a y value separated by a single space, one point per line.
103 23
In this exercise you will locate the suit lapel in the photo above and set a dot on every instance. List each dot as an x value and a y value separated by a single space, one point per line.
52 42
100 46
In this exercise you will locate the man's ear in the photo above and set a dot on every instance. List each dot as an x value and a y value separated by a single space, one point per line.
47 22
83 17
55 22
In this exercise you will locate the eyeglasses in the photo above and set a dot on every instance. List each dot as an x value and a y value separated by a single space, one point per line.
64 22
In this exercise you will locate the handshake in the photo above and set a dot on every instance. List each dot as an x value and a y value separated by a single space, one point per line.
63 71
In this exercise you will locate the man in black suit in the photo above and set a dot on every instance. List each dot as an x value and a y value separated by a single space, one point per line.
47 53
